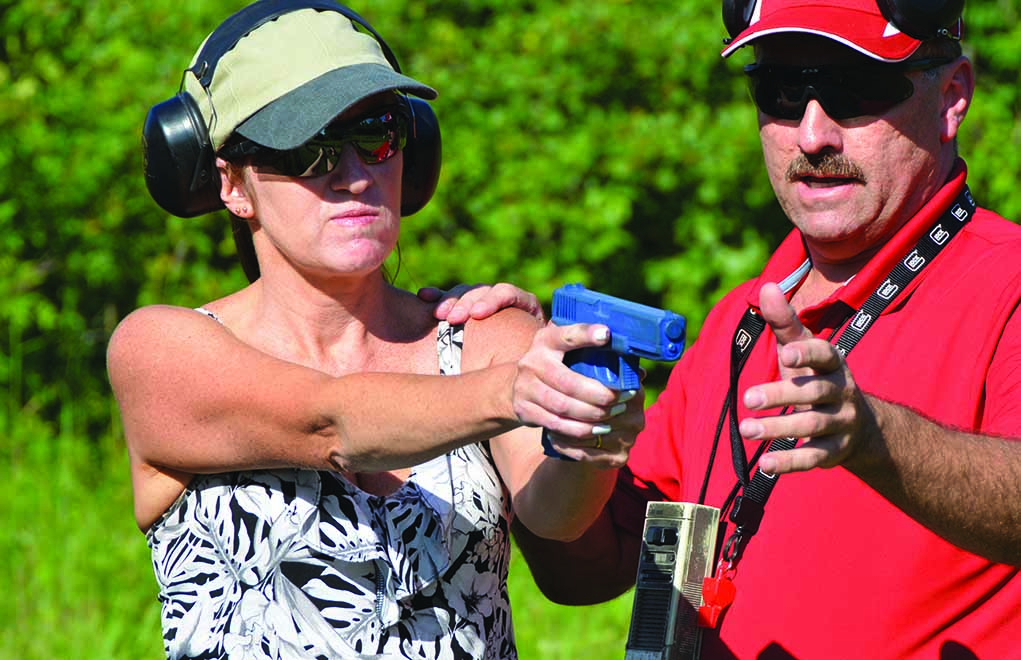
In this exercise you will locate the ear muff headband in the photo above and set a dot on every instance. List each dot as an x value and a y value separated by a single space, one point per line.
921 19
254 16
179 162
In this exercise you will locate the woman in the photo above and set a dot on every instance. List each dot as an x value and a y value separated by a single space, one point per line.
321 468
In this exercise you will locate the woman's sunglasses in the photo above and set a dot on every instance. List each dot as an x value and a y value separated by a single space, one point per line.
844 92
376 138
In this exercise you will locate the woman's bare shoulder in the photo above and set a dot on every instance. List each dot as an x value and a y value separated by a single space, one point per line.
159 340
160 313
152 323
502 337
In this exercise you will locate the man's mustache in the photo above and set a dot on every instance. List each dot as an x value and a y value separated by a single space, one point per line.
824 166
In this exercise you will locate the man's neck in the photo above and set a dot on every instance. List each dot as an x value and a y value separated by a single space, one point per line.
823 279
812 291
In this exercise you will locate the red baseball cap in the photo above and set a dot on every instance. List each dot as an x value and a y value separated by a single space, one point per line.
858 24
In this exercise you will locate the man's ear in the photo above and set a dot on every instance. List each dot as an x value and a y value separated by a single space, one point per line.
958 87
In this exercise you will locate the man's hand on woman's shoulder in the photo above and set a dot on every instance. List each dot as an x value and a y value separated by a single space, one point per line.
479 301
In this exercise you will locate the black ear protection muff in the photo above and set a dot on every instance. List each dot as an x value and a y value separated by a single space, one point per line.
737 15
921 19
179 162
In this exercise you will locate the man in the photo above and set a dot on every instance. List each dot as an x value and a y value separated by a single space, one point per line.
890 264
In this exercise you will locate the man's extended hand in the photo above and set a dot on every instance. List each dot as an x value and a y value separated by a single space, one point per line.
479 301
828 408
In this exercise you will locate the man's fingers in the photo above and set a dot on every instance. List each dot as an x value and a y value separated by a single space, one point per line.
446 302
484 302
814 422
479 301
457 302
816 354
780 316
819 453
430 293
814 384
796 391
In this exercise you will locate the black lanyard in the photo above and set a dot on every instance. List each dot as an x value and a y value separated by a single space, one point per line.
748 508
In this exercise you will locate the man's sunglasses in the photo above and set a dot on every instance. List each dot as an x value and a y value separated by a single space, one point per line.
376 138
844 92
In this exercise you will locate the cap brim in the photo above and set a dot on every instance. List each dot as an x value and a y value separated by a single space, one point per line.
294 118
865 32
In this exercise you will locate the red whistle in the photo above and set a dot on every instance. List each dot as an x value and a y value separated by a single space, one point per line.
717 593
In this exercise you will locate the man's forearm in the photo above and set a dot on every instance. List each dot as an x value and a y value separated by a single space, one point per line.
563 499
962 486
596 568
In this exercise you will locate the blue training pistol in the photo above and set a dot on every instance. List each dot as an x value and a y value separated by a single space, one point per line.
636 331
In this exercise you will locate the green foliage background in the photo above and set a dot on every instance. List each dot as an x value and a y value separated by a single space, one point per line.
599 142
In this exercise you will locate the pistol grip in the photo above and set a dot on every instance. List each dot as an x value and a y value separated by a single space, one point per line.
547 448
619 372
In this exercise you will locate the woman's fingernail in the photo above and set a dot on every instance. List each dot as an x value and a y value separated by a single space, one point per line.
601 429
627 395
618 409
602 333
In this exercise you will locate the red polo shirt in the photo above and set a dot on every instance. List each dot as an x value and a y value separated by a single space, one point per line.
836 571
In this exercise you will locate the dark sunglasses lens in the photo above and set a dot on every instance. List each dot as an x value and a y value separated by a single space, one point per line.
878 93
375 139
784 92
308 160
778 98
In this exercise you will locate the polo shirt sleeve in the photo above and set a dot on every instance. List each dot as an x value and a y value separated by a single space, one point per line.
654 467
1002 413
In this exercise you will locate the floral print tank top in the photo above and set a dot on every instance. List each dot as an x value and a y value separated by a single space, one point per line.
292 563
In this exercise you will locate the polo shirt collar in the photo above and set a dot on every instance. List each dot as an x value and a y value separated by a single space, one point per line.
790 263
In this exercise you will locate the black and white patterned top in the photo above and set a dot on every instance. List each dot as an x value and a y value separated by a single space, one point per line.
281 564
